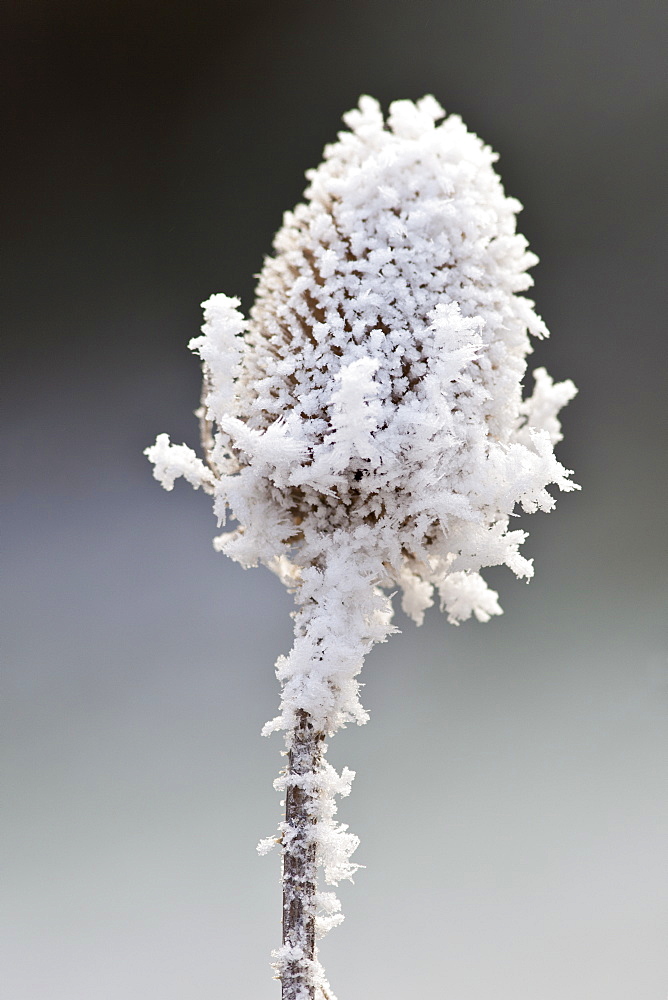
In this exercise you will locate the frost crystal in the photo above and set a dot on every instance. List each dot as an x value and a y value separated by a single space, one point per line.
369 427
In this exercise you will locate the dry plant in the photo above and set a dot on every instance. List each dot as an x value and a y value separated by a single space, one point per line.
367 432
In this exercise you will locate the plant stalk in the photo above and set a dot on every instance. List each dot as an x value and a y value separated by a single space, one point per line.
299 860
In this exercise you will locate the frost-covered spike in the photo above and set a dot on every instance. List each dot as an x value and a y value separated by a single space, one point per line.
466 594
417 595
329 914
171 461
221 349
539 411
356 413
267 844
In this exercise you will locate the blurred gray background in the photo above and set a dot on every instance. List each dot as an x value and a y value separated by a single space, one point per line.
511 789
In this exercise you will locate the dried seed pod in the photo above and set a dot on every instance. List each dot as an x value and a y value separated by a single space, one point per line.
376 391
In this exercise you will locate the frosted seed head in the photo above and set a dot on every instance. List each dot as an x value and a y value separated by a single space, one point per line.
366 426
375 393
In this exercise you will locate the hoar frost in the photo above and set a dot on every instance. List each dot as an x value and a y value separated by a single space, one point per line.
369 429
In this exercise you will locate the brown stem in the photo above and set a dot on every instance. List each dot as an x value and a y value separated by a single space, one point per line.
299 859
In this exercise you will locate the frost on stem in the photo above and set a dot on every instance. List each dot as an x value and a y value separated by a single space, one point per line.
369 428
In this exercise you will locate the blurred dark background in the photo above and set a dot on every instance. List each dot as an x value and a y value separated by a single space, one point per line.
511 790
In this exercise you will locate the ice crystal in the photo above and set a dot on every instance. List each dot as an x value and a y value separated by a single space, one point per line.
370 431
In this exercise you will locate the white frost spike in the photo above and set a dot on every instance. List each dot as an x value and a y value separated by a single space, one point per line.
466 594
541 408
171 461
220 347
356 412
370 428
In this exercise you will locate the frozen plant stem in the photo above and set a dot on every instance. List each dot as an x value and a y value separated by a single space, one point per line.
367 431
300 872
